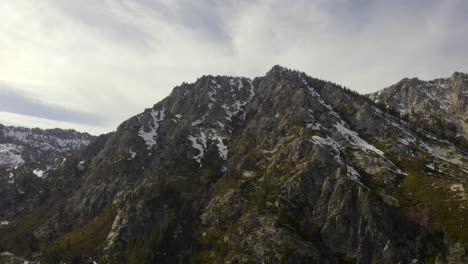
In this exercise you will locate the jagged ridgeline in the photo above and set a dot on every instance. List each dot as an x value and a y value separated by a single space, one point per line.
283 168
439 105
19 144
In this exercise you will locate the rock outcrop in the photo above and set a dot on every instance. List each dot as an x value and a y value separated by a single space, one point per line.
440 105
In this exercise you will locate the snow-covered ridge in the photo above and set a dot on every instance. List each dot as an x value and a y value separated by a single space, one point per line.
19 145
64 139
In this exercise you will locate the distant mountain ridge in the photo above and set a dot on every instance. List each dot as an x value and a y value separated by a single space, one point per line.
440 105
19 145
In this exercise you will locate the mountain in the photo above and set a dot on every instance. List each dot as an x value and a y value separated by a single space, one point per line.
282 168
26 157
19 145
440 105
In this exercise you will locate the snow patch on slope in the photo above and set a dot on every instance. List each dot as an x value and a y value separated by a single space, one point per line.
150 137
44 139
39 173
199 121
335 147
199 143
10 154
132 153
238 105
222 148
355 140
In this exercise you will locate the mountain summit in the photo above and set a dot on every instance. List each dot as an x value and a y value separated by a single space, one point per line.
439 105
283 168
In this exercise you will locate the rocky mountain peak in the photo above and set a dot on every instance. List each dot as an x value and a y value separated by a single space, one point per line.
410 81
459 75
281 168
443 102
278 72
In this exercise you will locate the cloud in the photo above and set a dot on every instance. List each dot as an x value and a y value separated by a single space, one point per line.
114 58
11 101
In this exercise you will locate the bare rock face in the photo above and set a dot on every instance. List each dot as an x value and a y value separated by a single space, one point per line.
440 105
283 168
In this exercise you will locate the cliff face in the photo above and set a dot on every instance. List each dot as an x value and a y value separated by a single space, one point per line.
440 105
281 168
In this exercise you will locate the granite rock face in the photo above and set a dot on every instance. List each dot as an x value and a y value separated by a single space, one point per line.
283 168
440 105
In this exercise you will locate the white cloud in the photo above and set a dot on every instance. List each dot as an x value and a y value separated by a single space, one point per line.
114 58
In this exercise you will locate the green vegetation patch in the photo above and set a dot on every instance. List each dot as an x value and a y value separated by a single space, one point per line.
445 203
19 237
83 242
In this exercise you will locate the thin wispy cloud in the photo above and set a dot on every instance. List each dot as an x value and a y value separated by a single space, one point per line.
114 58
12 101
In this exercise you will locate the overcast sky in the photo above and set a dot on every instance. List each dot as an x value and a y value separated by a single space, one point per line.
90 65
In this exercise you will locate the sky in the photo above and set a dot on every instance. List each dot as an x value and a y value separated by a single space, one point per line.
90 65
